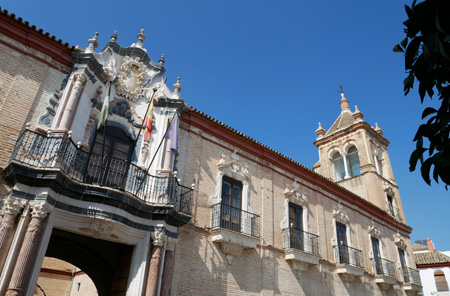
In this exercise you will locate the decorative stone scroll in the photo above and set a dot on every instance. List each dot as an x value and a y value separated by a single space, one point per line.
296 195
374 231
131 78
340 215
399 241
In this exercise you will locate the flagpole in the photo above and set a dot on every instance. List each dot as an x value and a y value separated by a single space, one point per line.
156 152
104 137
145 116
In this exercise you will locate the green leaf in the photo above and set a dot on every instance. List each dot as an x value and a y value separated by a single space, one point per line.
447 38
427 112
415 156
411 52
404 42
397 48
425 170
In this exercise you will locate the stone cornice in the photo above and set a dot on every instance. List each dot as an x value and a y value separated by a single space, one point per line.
29 36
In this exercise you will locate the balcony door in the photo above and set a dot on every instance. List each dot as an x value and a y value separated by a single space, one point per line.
110 157
341 233
401 255
231 204
376 255
296 226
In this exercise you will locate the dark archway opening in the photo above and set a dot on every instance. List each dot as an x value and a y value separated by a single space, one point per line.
106 263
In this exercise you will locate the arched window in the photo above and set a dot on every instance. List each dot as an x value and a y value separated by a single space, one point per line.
353 161
338 166
110 157
441 283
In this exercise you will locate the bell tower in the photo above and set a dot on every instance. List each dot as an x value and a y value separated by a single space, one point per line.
354 154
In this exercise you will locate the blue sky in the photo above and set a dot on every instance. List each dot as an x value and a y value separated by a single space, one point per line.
272 70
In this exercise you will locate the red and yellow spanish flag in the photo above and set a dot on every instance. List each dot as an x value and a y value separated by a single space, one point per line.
148 122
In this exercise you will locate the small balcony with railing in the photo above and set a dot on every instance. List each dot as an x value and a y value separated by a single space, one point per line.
301 248
42 160
349 262
411 279
384 271
394 211
235 229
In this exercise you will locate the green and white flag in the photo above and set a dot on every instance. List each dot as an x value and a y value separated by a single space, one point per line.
105 109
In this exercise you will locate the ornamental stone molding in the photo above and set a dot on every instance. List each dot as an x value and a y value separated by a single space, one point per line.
40 209
389 191
81 77
296 195
399 241
12 206
374 231
340 215
231 251
101 229
158 238
171 243
131 78
234 168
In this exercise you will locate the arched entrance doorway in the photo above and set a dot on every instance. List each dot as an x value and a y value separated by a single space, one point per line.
106 263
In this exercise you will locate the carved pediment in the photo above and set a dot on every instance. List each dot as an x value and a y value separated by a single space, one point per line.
399 241
340 215
131 78
374 231
234 168
295 195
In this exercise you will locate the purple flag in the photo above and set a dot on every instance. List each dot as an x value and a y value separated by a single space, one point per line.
172 135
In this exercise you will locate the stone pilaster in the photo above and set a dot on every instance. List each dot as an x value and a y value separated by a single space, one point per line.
155 262
168 267
39 210
11 208
79 80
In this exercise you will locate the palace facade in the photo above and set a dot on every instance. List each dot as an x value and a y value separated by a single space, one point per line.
186 205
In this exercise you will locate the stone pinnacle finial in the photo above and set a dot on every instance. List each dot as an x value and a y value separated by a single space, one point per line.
114 37
140 39
320 131
378 129
344 103
162 60
92 43
177 86
357 114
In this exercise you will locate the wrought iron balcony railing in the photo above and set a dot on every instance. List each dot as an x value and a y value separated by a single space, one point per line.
411 276
235 219
60 152
395 212
348 255
301 240
383 267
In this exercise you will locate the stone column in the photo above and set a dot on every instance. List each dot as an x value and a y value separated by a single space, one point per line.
168 267
11 208
39 210
344 158
155 262
79 80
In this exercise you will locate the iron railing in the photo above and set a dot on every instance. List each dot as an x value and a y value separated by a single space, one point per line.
383 267
348 255
395 212
411 276
60 152
301 240
235 219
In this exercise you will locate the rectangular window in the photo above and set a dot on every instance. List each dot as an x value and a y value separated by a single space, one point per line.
401 255
231 204
341 233
296 226
376 255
